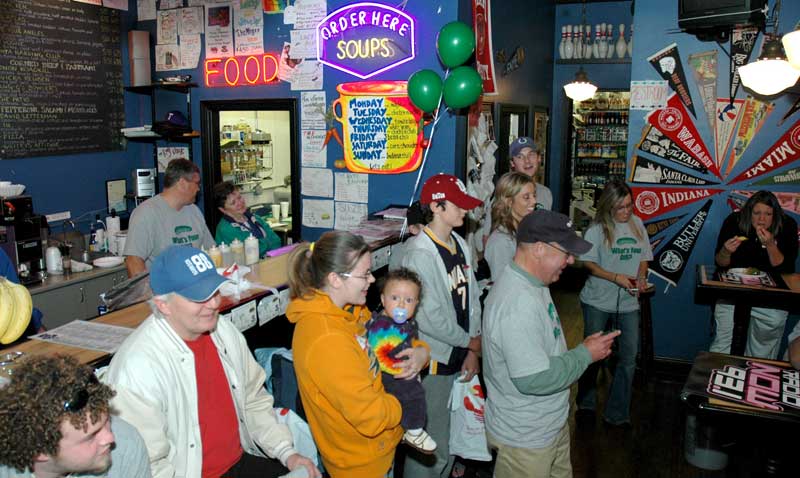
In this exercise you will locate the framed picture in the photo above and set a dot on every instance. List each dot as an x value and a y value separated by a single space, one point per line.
541 124
115 195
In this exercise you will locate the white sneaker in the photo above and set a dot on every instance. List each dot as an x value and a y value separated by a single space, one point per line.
422 442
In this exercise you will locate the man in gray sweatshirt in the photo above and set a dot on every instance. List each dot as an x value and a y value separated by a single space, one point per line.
527 367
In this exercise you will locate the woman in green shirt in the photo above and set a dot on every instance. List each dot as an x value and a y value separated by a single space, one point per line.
238 222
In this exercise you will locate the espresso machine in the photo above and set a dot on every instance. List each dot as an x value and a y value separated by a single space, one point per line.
20 237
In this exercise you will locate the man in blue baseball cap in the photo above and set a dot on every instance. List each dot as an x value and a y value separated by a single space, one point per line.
188 382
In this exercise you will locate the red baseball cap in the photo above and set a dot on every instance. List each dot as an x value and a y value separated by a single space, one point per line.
446 187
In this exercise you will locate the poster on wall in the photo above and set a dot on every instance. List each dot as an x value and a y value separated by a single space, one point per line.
677 125
754 113
381 128
671 260
248 30
645 171
219 31
704 69
349 215
786 150
318 213
313 147
190 21
312 110
742 41
651 202
658 226
145 10
167 27
352 187
656 143
728 114
484 58
649 94
667 63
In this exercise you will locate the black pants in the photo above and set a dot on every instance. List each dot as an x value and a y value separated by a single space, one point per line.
251 466
412 399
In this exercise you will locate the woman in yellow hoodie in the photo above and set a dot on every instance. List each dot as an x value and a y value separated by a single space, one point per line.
355 423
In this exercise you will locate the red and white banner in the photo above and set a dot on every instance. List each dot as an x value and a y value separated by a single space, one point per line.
652 202
728 115
674 121
783 152
484 58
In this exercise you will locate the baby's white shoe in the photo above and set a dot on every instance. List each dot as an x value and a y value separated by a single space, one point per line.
421 441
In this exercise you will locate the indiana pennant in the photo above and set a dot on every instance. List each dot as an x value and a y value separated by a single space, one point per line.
645 171
671 260
677 125
652 202
742 41
728 115
783 152
667 63
656 143
658 226
754 113
704 68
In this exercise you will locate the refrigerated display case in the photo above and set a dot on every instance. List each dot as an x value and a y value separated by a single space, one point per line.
598 153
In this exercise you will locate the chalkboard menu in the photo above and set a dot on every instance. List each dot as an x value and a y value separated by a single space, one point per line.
60 78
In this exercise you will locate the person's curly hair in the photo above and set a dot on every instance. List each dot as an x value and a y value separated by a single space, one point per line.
32 406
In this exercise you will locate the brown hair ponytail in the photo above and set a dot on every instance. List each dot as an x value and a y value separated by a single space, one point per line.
335 251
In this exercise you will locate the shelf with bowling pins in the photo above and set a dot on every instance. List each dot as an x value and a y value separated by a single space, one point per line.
577 46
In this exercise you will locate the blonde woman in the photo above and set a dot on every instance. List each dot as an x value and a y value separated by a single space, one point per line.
617 264
515 197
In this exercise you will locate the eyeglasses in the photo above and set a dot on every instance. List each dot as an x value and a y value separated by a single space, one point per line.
80 397
364 277
566 252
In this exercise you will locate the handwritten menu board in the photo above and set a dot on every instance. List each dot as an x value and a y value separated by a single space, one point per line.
60 78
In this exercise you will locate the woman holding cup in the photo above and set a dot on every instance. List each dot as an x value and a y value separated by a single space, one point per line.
239 223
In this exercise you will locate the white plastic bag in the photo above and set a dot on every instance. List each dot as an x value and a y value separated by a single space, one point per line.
467 431
303 441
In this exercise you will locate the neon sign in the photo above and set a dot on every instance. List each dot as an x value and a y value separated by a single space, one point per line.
249 70
364 39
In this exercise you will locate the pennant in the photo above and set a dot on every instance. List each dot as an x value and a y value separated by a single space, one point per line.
736 204
656 227
670 262
754 113
742 41
654 244
791 176
783 152
645 171
667 63
651 202
792 110
728 115
676 124
704 67
789 201
656 143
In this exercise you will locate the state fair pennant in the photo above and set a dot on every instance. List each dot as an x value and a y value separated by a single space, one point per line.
653 202
783 152
656 143
728 115
675 122
754 113
670 262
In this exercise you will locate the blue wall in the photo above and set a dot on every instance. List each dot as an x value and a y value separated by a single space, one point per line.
681 328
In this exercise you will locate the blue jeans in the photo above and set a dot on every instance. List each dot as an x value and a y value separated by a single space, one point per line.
619 398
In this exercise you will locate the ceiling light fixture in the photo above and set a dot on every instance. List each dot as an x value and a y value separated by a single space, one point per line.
791 44
581 88
771 73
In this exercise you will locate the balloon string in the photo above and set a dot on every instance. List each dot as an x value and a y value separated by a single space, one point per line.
436 119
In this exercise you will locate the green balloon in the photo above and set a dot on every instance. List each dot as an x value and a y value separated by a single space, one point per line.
425 89
455 44
462 87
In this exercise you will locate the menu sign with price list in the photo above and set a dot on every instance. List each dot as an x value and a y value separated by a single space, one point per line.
60 78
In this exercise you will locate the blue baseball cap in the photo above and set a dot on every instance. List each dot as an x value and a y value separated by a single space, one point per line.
186 271
521 143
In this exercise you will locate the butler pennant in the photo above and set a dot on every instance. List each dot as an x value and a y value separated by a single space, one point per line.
652 202
671 260
742 41
677 125
656 143
645 171
783 152
667 63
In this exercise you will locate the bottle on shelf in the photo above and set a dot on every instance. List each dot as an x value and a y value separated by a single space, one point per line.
237 251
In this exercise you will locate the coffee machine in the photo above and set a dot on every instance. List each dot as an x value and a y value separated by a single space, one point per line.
20 237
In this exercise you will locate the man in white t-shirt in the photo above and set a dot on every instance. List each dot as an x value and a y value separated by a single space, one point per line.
168 218
527 367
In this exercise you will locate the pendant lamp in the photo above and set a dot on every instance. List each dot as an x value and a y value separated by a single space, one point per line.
771 74
581 88
791 45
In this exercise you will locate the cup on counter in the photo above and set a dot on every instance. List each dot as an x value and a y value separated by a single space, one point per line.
276 212
284 209
119 239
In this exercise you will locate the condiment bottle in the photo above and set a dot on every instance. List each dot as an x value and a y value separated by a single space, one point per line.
216 256
237 250
250 250
227 256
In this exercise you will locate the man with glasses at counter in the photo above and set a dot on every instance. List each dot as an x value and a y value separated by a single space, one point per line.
187 381
168 218
55 422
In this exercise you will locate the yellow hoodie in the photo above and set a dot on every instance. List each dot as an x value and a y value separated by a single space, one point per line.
355 423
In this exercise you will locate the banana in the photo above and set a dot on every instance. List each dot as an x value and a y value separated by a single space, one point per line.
21 314
7 304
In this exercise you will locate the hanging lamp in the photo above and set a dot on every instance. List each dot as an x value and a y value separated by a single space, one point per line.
771 73
581 88
791 45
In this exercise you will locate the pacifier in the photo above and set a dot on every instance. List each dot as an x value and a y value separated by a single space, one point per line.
399 315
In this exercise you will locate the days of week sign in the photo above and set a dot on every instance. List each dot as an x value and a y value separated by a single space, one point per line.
364 39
